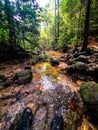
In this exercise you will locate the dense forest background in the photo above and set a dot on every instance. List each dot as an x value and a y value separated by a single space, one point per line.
49 62
59 24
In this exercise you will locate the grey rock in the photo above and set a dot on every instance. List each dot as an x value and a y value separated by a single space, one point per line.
81 66
24 76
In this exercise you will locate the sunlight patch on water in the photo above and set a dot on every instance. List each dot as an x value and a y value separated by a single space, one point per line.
47 84
47 70
51 75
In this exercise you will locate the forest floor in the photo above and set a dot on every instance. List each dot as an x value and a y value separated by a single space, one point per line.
49 92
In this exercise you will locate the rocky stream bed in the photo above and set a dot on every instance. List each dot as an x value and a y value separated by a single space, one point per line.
50 91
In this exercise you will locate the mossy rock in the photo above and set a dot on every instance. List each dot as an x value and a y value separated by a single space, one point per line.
81 66
24 76
89 94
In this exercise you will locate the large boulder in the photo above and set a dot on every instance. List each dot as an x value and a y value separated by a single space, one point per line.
89 93
24 76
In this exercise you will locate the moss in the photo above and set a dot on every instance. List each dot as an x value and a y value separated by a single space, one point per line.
48 70
87 90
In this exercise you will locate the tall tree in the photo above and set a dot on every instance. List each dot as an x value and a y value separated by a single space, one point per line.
57 20
86 28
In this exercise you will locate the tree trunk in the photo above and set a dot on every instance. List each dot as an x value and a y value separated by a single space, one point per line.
58 22
55 24
86 28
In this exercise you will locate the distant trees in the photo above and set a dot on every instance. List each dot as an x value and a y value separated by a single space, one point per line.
19 21
69 22
76 25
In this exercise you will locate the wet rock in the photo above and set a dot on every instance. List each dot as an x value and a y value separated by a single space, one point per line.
72 61
90 71
89 93
83 58
54 61
10 92
24 76
78 67
40 119
7 83
63 66
2 78
81 66
71 69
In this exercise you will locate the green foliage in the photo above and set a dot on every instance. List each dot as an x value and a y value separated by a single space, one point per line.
3 35
69 24
94 18
19 22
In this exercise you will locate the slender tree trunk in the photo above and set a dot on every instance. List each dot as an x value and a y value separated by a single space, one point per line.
58 24
86 28
55 24
57 20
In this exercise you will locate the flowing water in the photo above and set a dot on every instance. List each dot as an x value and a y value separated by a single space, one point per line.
51 91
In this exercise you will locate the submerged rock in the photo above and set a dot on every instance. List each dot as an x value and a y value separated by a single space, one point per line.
89 93
24 76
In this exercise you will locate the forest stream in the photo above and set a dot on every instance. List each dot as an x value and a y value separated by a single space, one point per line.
51 91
